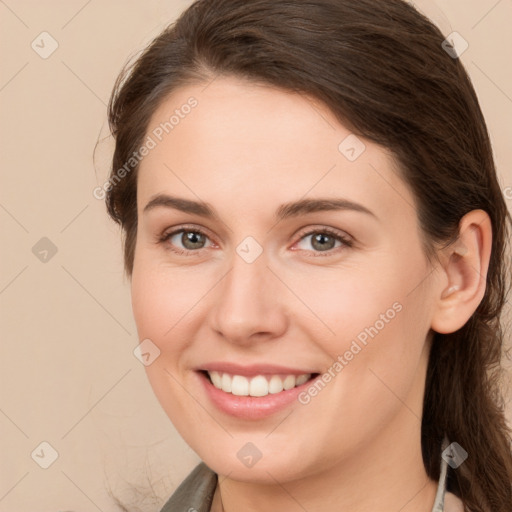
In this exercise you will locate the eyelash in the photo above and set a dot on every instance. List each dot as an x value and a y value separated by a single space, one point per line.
347 242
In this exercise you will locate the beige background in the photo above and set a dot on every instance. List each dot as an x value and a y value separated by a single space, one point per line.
68 373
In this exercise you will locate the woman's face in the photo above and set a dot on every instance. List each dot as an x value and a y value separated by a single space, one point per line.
273 244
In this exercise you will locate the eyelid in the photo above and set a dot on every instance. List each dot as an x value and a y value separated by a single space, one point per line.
346 240
169 233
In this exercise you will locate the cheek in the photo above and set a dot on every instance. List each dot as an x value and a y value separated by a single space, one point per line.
385 337
162 301
379 320
356 303
160 313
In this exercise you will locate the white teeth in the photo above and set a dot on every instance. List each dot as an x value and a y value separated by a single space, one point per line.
275 385
216 379
289 382
239 385
301 379
257 386
226 383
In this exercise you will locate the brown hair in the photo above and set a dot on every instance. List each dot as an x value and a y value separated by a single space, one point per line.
380 68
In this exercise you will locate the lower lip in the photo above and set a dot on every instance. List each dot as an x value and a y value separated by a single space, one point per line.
251 407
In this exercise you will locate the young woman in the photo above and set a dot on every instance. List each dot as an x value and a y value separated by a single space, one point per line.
315 237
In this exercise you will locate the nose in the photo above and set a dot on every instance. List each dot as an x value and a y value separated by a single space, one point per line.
250 303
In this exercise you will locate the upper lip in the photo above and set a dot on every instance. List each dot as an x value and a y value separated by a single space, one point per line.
253 369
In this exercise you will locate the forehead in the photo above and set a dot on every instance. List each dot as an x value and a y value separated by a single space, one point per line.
233 140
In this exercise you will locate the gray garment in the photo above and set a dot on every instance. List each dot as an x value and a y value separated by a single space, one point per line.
195 494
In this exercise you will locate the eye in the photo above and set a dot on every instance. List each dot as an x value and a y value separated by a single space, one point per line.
191 240
324 241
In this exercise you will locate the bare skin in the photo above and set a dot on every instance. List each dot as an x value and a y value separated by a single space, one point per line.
246 149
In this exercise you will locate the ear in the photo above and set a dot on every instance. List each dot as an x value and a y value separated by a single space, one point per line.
464 266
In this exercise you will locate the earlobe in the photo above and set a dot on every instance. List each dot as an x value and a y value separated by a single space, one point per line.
465 268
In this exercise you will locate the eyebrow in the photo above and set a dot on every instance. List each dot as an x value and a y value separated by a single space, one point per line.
285 211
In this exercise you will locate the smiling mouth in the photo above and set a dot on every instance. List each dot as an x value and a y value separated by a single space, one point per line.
257 386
